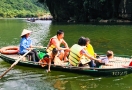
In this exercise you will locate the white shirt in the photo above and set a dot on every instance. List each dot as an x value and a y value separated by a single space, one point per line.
104 60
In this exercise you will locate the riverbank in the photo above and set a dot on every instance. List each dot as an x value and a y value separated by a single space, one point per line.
104 21
43 17
111 21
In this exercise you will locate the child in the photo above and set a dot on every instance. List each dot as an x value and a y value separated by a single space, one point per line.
105 60
48 58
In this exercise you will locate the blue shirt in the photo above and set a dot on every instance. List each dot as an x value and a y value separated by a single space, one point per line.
24 44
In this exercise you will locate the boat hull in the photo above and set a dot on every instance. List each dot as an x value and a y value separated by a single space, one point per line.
79 70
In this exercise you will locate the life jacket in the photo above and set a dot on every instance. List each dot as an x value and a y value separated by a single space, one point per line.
74 56
90 49
50 45
50 48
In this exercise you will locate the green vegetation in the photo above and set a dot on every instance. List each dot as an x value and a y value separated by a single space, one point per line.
21 8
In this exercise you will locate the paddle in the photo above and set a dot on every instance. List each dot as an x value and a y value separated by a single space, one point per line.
38 47
14 64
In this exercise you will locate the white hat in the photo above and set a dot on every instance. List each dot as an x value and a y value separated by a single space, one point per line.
24 32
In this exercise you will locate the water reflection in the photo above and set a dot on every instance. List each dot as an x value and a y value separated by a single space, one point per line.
91 83
40 31
11 29
65 81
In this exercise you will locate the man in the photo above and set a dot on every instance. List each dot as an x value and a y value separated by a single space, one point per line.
55 42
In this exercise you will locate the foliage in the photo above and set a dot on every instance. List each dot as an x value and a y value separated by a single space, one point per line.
21 8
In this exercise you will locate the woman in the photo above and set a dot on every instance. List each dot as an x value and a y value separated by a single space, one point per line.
77 51
26 44
89 48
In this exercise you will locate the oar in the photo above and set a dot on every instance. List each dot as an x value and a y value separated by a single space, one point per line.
38 47
14 64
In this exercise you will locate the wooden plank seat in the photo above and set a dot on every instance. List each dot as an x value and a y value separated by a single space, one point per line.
26 58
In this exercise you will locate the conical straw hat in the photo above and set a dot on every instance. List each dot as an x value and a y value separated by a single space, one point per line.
24 32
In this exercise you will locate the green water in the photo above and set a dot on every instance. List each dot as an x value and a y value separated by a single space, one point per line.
103 38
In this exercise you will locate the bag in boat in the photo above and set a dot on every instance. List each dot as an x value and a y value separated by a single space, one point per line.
41 54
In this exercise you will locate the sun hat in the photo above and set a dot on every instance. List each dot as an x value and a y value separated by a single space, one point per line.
25 31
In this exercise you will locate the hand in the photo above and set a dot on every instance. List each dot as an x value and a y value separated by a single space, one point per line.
110 65
99 61
95 54
67 49
29 48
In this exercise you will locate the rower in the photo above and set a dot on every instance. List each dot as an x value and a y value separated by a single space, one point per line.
26 44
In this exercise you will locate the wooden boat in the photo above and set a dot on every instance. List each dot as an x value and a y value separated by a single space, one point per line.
31 19
120 66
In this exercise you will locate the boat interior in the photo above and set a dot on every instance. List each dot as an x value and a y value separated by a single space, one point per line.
116 62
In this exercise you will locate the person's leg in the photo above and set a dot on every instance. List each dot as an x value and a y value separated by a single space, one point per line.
57 61
66 53
36 55
61 54
32 55
98 64
92 64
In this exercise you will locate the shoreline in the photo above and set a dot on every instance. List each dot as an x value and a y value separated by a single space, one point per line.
114 21
90 21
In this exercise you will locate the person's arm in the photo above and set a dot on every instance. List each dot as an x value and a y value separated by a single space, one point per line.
49 64
89 56
38 47
23 44
29 45
65 44
107 63
49 43
54 42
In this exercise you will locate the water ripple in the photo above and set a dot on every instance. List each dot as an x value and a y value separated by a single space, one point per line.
40 31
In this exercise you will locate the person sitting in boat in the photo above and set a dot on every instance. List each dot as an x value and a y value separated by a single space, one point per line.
78 53
55 42
48 59
26 44
105 60
90 50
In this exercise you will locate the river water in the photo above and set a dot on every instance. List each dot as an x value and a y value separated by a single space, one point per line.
103 37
